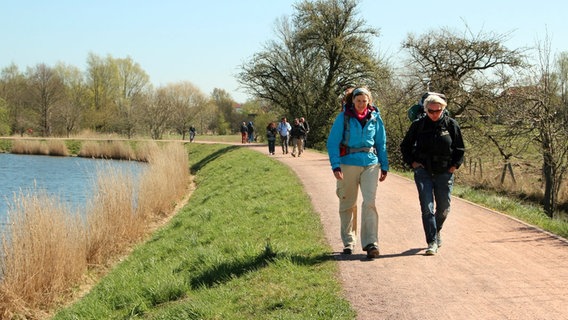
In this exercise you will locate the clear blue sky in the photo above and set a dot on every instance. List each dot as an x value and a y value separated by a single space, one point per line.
206 41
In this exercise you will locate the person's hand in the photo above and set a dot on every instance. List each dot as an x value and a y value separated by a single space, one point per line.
452 169
383 175
338 175
416 165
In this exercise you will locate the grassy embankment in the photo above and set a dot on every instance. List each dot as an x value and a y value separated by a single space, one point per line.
248 245
48 251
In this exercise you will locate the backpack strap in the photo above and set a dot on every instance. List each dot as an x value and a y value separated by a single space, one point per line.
346 129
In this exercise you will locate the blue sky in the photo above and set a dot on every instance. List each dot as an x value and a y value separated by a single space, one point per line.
206 41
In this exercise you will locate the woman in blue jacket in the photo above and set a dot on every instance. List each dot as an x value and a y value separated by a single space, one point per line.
357 151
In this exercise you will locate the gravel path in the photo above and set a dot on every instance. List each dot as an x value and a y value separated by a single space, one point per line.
489 267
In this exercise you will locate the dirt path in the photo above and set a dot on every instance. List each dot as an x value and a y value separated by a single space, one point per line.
489 267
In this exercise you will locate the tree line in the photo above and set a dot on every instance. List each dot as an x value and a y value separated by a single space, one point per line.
113 95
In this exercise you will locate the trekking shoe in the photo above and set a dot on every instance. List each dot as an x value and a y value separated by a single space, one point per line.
432 249
438 240
347 250
293 154
372 252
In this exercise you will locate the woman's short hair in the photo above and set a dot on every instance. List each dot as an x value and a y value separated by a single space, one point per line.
435 98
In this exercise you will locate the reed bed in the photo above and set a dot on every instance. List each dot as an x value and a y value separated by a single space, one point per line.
47 250
43 249
36 147
118 150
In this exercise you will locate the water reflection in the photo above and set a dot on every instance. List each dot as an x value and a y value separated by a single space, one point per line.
70 179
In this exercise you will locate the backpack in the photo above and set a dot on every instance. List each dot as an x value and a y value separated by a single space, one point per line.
417 110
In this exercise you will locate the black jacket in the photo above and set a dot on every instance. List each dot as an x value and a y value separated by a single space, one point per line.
437 145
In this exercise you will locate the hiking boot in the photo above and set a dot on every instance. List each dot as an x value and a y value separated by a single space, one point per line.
347 250
372 251
293 154
432 248
438 240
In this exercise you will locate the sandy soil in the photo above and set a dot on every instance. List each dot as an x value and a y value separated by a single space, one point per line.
490 266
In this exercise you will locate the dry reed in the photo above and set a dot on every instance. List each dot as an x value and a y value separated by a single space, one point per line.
30 147
46 249
57 148
166 182
43 248
107 150
111 222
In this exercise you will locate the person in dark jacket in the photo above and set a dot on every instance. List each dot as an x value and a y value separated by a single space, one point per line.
271 133
306 126
433 146
250 132
298 133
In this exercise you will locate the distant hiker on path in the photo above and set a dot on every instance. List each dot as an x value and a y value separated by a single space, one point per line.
244 132
284 129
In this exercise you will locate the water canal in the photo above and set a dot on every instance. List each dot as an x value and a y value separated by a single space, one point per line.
70 179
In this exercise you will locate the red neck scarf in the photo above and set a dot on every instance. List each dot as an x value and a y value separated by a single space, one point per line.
361 116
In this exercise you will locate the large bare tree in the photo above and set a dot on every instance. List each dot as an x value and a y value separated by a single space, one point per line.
320 51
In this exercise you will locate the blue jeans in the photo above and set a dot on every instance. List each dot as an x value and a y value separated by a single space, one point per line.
433 187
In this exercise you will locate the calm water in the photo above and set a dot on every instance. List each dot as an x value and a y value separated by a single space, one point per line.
69 179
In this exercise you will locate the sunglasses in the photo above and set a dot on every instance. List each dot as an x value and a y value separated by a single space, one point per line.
434 111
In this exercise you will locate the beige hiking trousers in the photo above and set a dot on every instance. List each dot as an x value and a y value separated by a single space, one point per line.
366 179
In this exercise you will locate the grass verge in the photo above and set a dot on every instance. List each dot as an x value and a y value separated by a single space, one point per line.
248 245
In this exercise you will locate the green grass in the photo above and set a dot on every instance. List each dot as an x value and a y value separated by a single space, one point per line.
528 213
248 245
5 145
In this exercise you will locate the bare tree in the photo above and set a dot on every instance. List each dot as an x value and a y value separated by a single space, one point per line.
157 112
317 54
70 111
545 109
188 103
46 90
133 82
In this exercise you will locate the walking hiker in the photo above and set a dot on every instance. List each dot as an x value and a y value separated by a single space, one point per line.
250 132
306 126
271 137
191 133
433 146
244 132
357 151
284 129
298 133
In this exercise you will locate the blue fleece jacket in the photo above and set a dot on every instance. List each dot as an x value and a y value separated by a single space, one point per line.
371 135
